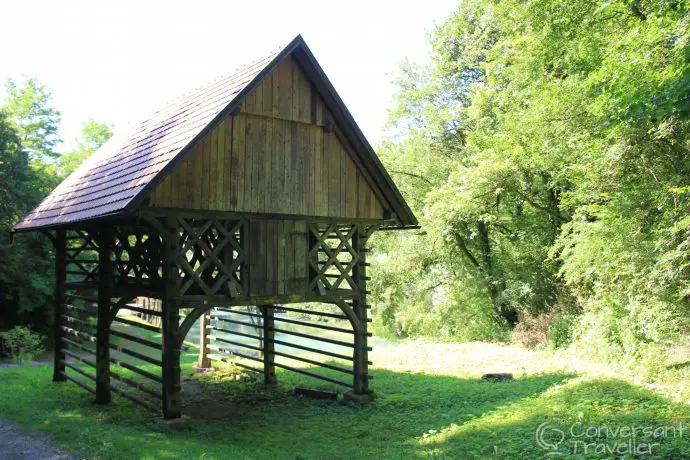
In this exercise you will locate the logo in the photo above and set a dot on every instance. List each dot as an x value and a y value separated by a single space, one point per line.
611 440
549 437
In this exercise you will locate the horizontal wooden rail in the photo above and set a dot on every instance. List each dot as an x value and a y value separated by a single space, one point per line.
316 376
86 311
78 370
224 359
310 312
314 325
138 385
232 353
78 358
133 338
79 383
72 319
136 370
313 350
144 311
316 363
128 322
228 331
134 399
136 354
78 345
237 312
238 344
298 334
81 335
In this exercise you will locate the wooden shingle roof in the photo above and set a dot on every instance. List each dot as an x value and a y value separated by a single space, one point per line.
117 178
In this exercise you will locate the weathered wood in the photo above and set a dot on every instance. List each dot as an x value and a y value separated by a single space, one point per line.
60 277
274 157
269 353
171 327
361 355
203 362
105 272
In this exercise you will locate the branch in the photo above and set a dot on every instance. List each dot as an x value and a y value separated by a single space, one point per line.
540 207
461 244
417 176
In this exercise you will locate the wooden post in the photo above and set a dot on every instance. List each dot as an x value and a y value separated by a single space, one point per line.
60 277
267 312
171 324
204 362
359 306
105 272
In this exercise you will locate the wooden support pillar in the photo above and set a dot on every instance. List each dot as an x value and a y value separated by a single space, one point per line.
204 362
171 324
60 277
105 273
267 313
359 306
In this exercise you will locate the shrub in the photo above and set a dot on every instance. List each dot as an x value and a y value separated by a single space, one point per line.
531 331
22 344
560 331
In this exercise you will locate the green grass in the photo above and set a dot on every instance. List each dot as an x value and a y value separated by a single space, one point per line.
431 404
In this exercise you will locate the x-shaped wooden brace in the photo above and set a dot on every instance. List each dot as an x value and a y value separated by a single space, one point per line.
332 255
210 255
235 286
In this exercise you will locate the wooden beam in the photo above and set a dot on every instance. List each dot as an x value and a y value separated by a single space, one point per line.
204 362
267 312
59 374
171 324
105 272
205 214
359 303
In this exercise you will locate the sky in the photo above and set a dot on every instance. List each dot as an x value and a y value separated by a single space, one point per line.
117 61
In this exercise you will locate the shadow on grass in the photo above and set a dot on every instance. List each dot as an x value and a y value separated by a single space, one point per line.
265 422
415 416
588 418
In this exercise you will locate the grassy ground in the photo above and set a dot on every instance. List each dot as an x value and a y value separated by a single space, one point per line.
432 404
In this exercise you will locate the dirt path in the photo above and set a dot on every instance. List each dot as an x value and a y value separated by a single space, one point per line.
18 445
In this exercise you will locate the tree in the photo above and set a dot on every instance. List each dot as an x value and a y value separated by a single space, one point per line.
25 272
93 135
28 104
545 148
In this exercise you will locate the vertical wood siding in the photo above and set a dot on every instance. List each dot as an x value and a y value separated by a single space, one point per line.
278 263
273 157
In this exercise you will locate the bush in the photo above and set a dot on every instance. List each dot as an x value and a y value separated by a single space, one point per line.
531 331
560 331
22 344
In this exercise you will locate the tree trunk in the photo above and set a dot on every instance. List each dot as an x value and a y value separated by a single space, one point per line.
494 284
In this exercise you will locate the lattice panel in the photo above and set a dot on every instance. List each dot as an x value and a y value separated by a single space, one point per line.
138 256
212 258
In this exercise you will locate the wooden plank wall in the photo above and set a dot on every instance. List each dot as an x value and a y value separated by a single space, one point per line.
273 157
278 264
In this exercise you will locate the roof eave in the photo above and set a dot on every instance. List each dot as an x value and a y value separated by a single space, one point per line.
72 224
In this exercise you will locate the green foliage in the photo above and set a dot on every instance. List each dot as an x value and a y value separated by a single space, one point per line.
545 150
560 332
93 135
26 272
28 103
21 344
